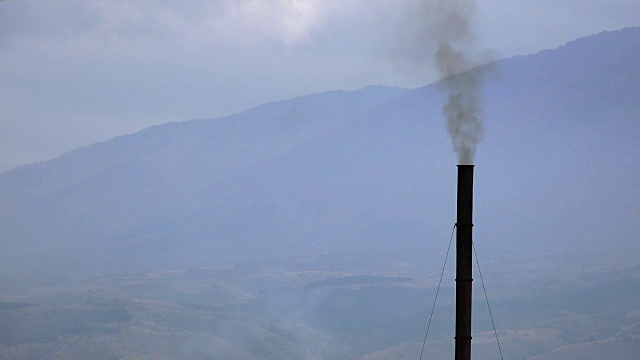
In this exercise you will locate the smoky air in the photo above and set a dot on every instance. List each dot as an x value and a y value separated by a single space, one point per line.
442 33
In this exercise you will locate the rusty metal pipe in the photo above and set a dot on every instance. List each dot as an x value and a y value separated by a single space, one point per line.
464 262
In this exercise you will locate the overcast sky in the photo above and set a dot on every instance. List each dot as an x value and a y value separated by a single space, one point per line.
74 72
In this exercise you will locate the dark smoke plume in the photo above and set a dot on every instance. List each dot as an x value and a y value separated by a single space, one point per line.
442 31
463 109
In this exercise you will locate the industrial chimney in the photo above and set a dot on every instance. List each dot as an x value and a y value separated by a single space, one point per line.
464 262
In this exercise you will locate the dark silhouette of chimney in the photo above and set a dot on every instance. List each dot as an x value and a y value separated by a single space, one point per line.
464 262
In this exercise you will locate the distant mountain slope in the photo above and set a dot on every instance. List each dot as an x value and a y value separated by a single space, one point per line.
627 348
363 171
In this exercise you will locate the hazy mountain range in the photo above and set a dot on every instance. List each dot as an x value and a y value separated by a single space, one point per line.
369 171
314 228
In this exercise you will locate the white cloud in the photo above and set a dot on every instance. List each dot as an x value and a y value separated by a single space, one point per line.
202 22
287 20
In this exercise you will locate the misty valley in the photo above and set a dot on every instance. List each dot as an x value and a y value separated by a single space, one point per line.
327 307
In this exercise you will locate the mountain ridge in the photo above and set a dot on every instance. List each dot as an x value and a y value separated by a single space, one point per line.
360 171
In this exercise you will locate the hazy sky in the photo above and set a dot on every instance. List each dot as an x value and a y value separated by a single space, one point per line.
75 71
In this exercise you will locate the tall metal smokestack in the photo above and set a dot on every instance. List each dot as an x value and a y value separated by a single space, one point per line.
464 262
